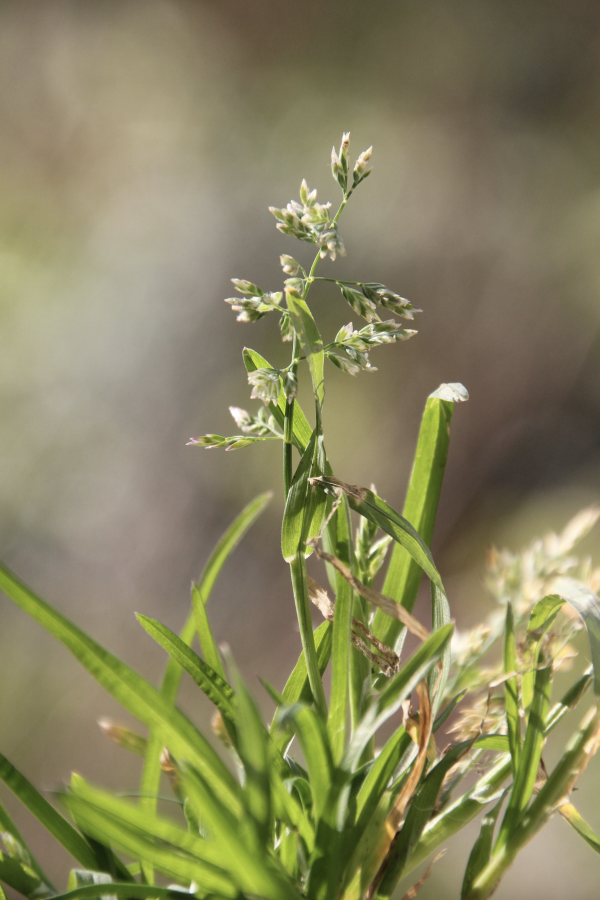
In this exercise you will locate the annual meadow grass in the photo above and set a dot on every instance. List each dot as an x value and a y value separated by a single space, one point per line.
309 805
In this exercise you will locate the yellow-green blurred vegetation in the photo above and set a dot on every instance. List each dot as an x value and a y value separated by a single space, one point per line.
140 145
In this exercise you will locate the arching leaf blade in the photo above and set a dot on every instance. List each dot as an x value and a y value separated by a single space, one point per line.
132 691
49 817
216 689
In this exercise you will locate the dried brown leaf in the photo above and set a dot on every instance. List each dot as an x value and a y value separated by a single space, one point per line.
389 606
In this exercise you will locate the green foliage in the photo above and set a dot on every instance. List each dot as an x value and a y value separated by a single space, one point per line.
342 821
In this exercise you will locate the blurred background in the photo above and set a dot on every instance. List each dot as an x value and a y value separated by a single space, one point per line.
140 145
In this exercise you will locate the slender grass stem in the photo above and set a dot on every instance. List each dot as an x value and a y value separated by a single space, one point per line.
334 280
288 427
298 565
300 586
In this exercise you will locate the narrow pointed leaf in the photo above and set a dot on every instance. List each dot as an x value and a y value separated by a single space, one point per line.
588 606
482 848
552 794
21 878
459 813
216 689
440 615
530 756
419 813
411 673
569 701
297 688
124 737
219 556
293 534
288 808
229 541
196 620
420 508
206 639
375 784
542 616
249 866
562 779
576 821
340 665
498 742
372 507
128 687
317 753
27 858
45 813
126 890
511 690
151 827
168 861
253 749
396 691
448 710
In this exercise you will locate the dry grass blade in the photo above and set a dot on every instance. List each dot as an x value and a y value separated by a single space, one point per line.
336 484
372 655
389 606
385 659
385 651
395 816
415 888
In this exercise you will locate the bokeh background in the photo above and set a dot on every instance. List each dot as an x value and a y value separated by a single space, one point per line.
140 145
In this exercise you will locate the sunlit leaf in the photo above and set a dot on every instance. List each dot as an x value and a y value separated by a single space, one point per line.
45 813
511 690
482 848
216 689
588 606
127 687
420 509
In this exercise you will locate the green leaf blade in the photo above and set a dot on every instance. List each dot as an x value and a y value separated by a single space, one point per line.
297 688
372 507
419 813
182 867
511 690
126 890
253 871
216 689
340 672
588 606
45 813
459 813
132 691
197 620
420 508
229 541
482 849
530 756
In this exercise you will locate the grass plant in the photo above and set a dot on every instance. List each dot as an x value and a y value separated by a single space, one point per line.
307 806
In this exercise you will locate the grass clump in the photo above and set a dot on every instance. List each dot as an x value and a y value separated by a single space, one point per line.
340 821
